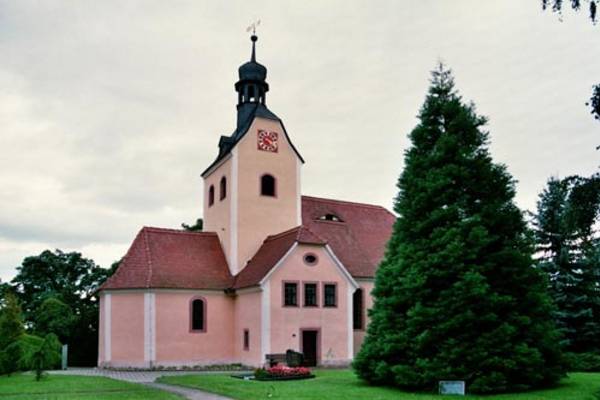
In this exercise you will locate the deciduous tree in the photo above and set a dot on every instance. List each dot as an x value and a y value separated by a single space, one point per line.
11 330
73 280
592 6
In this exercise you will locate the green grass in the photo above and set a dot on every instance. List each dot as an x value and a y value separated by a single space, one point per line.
55 387
344 385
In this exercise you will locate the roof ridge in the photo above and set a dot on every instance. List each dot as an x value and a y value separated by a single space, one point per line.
281 234
353 203
149 259
177 231
123 260
306 228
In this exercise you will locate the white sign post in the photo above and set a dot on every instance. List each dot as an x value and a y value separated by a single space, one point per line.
65 352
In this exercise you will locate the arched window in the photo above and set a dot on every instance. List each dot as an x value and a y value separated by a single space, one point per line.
268 185
198 315
223 192
357 309
211 195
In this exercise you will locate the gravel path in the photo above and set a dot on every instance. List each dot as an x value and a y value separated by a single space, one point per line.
188 393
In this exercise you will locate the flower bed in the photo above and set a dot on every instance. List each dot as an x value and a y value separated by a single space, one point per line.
281 373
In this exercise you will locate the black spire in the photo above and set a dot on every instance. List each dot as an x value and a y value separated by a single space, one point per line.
254 38
252 86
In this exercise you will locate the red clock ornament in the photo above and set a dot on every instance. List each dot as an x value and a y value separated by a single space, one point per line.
267 141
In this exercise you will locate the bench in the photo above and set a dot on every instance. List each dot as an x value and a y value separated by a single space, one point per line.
276 358
291 358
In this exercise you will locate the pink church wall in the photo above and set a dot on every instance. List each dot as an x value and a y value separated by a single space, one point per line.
177 345
287 322
101 323
359 335
217 216
127 329
261 216
248 316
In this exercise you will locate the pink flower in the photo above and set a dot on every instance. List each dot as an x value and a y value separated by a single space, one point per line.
281 370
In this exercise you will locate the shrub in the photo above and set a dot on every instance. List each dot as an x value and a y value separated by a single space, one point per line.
583 362
40 354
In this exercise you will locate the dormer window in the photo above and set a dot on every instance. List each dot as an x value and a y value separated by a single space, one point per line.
330 217
223 193
211 195
268 185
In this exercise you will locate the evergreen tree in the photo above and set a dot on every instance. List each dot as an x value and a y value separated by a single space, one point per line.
456 296
567 211
11 330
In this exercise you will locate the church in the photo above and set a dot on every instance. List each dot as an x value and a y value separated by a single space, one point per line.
273 270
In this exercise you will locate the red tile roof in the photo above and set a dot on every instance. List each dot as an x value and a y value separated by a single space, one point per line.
272 250
168 258
359 239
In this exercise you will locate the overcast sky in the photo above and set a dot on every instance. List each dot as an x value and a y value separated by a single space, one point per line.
110 110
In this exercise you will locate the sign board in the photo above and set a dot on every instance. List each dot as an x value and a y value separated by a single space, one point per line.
452 387
65 352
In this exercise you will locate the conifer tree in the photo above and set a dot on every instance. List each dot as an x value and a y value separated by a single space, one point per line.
567 211
456 296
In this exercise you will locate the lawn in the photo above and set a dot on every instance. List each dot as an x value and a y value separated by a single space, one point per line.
55 387
343 385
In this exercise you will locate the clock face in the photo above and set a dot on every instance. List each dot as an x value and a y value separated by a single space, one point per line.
267 141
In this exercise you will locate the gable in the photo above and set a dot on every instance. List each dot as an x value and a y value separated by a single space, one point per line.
227 143
278 250
293 266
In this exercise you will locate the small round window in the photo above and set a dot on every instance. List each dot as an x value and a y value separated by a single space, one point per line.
310 259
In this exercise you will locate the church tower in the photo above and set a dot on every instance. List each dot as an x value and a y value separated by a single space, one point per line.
252 189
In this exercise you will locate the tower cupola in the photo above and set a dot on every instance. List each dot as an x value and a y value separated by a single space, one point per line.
252 86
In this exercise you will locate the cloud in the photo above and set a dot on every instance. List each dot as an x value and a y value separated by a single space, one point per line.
110 110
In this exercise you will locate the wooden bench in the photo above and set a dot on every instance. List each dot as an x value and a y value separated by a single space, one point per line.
276 358
290 358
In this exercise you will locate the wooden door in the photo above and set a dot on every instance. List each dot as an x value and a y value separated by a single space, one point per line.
310 347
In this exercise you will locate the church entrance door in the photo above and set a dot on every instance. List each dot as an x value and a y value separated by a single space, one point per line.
310 346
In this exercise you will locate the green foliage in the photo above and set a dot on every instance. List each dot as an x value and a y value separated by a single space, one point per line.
55 317
569 253
592 5
583 362
261 373
557 6
72 280
197 227
4 288
40 354
594 102
11 330
456 296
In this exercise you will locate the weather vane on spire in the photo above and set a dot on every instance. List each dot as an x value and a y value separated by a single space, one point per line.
254 38
253 27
